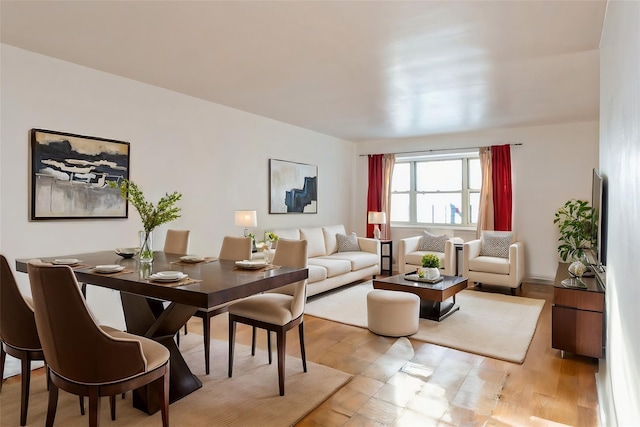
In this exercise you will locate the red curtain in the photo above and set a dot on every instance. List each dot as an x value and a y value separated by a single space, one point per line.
501 179
374 195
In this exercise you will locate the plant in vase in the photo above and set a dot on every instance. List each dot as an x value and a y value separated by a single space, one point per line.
431 263
267 243
151 215
574 223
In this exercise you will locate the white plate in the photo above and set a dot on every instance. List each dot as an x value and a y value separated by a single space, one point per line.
251 265
66 261
112 268
158 277
127 252
191 258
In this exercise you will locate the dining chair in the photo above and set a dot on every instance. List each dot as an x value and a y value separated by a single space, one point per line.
233 249
87 359
274 311
18 333
177 242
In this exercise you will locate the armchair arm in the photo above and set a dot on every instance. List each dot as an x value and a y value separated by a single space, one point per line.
516 262
368 244
470 249
449 258
406 246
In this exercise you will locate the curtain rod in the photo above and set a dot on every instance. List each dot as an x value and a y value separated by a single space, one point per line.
435 150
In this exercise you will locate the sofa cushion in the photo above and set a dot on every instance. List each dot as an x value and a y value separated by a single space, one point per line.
495 243
316 273
286 233
330 240
432 242
315 241
489 264
347 242
415 258
358 259
334 267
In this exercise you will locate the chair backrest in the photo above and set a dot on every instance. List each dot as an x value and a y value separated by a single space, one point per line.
177 242
17 321
293 253
73 344
235 248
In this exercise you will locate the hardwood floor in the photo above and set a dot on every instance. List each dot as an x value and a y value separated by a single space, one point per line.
545 390
442 386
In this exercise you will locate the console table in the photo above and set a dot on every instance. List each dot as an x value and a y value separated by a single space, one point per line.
577 316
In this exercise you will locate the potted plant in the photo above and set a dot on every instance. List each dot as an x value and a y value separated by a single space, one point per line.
265 245
431 263
574 223
151 215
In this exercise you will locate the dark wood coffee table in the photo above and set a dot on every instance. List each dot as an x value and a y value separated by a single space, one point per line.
433 297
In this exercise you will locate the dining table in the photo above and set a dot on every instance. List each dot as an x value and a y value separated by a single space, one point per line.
158 310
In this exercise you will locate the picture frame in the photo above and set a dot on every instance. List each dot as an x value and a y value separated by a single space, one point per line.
69 176
293 187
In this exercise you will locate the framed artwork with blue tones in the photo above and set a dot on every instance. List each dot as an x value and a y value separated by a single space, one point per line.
70 174
293 187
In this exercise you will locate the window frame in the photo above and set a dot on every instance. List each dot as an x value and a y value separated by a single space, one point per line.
465 191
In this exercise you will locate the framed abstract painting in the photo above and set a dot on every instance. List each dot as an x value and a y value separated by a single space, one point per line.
70 174
293 187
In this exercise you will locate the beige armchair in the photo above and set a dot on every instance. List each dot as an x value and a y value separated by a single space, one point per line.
410 256
496 258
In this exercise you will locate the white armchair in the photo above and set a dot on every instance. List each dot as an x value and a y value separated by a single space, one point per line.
410 256
486 266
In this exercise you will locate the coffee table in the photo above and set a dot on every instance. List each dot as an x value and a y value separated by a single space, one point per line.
434 304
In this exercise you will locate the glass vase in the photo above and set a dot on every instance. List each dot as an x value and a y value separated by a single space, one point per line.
146 246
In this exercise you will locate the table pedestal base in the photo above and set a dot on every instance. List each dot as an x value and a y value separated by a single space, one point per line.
435 310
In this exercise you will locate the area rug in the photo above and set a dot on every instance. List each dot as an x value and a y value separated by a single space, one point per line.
250 398
493 325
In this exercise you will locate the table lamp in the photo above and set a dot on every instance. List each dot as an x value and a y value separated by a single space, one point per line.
377 218
246 219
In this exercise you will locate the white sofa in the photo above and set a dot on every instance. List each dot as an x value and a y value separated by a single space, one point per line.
410 255
328 268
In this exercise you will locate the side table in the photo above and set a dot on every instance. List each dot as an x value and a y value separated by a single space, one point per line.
388 256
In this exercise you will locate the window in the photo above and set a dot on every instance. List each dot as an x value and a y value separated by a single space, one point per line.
436 190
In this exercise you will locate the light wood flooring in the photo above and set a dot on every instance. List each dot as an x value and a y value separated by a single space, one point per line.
545 390
441 386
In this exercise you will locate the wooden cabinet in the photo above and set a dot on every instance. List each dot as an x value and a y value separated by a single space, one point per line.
577 316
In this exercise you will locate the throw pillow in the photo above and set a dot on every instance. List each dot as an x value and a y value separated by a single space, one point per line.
432 242
495 243
347 242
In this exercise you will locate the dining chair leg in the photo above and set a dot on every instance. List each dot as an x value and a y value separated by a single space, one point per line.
94 407
282 345
3 357
83 289
232 341
26 380
253 340
53 404
302 351
81 399
185 329
178 338
269 345
162 384
206 329
112 404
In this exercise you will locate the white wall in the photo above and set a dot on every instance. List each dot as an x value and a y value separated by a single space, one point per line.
553 165
216 156
620 163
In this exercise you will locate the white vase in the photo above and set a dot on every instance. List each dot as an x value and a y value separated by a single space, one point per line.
432 273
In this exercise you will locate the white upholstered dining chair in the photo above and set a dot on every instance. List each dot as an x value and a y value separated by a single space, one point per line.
274 311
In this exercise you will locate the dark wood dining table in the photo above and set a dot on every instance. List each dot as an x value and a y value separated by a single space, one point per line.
147 313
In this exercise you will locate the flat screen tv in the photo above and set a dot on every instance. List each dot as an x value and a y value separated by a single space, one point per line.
599 220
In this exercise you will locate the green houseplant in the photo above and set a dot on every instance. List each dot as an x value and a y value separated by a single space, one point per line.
431 263
151 215
574 223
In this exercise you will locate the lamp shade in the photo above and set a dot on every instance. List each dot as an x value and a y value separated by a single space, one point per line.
246 219
377 218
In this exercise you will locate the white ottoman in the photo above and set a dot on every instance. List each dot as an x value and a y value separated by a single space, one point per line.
393 313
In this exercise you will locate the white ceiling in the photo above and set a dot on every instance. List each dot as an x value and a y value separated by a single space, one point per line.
357 70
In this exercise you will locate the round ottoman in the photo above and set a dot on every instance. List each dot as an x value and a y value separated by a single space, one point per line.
393 313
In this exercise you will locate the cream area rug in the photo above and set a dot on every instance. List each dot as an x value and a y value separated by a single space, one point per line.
250 398
493 325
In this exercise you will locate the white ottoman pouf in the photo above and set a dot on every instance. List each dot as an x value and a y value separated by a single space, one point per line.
393 313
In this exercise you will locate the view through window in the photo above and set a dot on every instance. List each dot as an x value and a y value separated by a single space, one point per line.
436 190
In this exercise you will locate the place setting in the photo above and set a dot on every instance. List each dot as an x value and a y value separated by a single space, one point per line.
257 264
171 278
194 259
71 262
